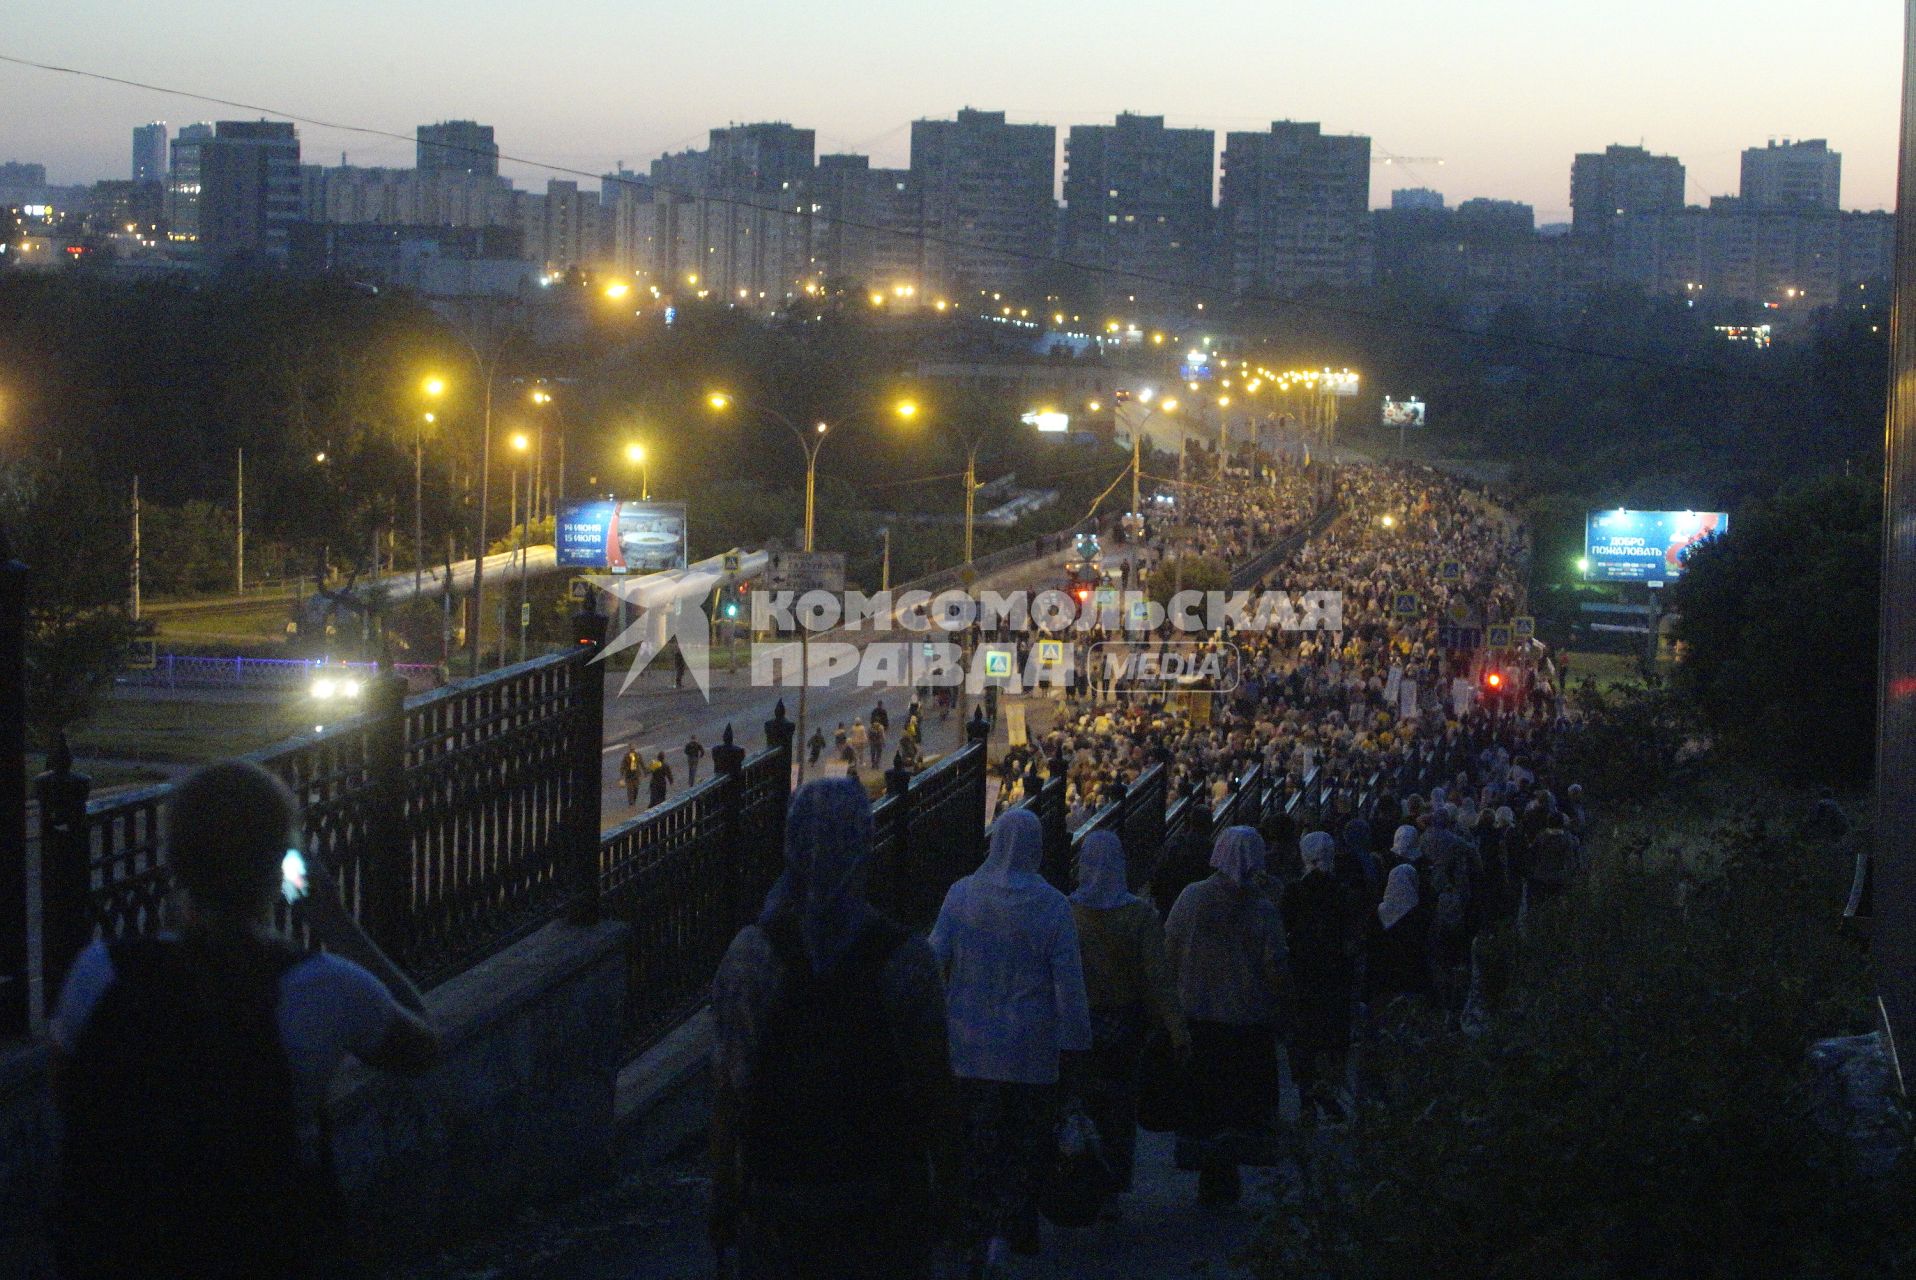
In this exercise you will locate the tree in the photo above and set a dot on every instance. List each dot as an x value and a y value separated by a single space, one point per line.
71 533
1777 622
1187 573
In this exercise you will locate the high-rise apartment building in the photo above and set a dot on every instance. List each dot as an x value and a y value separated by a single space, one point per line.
1410 198
149 152
1793 175
985 198
866 231
457 146
183 184
1295 209
1138 198
1616 183
249 189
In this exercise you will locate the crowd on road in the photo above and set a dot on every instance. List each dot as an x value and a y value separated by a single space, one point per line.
1003 1064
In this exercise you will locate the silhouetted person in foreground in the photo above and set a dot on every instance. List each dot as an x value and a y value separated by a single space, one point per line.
190 1067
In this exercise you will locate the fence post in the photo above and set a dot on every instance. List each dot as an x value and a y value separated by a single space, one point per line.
66 872
581 867
13 792
386 864
779 730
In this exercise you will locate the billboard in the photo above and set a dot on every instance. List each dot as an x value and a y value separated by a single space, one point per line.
622 537
1403 413
1645 546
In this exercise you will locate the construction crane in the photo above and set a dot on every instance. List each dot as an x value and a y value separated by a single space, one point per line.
1385 157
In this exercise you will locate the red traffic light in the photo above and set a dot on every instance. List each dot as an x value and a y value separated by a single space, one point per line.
1494 681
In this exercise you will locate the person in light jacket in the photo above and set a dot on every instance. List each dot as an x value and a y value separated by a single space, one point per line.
1014 991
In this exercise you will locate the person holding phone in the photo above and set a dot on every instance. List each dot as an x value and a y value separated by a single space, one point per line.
191 1068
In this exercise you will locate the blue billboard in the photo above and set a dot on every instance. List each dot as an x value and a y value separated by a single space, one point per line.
1645 546
622 537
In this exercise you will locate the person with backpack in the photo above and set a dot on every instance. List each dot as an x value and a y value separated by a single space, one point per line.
190 1069
660 775
834 1136
631 771
1014 984
1127 982
694 752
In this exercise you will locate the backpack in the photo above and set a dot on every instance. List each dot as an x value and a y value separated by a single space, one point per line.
180 1154
829 1100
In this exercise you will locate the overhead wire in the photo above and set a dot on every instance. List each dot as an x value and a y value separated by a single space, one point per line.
1320 308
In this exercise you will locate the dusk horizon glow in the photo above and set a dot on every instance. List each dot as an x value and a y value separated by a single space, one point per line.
1492 88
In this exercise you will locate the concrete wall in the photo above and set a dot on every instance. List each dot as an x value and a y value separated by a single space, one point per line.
521 1110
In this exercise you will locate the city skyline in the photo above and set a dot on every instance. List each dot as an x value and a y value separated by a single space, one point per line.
1726 77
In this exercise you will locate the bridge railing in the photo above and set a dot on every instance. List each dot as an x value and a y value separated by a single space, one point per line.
454 823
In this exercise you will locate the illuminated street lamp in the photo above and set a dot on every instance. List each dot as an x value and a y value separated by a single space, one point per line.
809 441
433 388
635 454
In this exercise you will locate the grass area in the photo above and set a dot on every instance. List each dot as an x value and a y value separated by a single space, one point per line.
1637 1102
113 773
254 622
128 728
1429 445
1610 669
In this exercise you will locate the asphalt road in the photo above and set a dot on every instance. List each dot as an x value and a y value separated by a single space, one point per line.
654 715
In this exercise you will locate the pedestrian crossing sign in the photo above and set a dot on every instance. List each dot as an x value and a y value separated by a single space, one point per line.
1523 628
1050 653
1404 604
1451 570
998 664
1498 635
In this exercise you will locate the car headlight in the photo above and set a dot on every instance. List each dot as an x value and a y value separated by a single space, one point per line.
323 688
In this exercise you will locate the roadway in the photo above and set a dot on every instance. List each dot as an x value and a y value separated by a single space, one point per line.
655 716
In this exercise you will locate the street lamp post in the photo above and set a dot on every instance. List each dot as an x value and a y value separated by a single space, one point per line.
520 444
809 441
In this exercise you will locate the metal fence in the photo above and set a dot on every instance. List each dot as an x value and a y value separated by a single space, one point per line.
454 823
686 876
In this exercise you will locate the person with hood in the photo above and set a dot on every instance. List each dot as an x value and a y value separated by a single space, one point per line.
834 1128
1127 983
1014 985
1225 941
1403 844
1399 951
1317 914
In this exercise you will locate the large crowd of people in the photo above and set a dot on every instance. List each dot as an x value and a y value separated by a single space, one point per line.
1260 945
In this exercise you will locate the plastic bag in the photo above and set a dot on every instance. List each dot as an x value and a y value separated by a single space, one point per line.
1075 1190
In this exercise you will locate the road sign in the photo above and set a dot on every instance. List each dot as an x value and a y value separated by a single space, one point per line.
579 589
1404 604
1497 635
1523 627
732 561
805 571
1050 653
143 654
1451 570
1460 613
1107 598
525 613
1140 613
997 663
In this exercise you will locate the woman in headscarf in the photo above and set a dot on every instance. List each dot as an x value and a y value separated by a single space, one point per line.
1127 982
834 1125
1317 919
1015 993
1399 951
1225 940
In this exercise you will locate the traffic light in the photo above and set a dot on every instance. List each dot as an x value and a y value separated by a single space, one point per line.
1493 682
